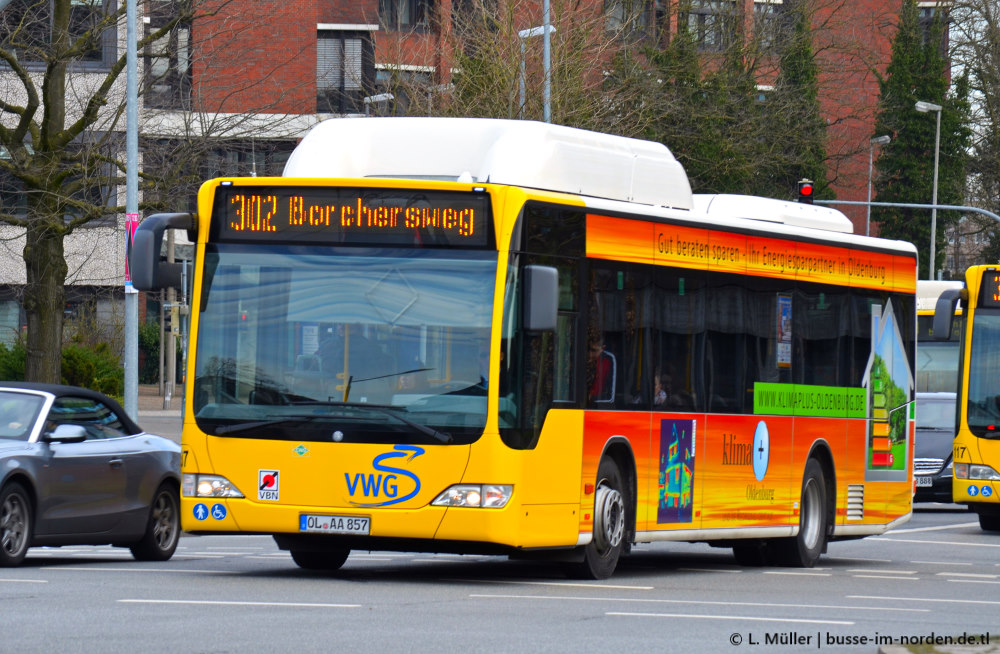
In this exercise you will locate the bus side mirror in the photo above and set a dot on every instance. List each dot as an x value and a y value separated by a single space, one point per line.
944 313
148 272
541 298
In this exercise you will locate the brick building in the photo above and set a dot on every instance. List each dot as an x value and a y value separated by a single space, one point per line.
256 74
320 58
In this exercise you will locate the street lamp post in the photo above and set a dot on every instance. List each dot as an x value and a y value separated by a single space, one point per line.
924 107
545 30
878 140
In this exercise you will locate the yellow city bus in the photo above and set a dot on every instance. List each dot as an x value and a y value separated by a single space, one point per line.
492 336
976 450
937 360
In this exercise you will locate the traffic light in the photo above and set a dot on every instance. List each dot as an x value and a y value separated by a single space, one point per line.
806 191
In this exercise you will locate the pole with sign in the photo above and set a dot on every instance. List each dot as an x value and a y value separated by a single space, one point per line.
131 213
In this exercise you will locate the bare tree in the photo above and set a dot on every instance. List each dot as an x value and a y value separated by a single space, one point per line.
975 41
495 50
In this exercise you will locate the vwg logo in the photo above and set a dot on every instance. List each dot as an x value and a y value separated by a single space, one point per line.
385 482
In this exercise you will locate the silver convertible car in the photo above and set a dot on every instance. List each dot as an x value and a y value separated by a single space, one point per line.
75 470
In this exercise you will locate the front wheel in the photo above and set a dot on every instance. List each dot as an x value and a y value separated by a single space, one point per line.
327 560
163 528
15 524
600 556
803 550
989 521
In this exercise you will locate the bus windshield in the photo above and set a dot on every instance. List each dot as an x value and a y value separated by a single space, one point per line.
984 371
354 345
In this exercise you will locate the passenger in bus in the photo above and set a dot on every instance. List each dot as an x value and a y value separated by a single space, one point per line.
601 373
661 384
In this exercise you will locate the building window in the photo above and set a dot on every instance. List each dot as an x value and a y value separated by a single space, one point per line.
345 71
90 191
26 30
714 24
928 12
769 23
627 17
405 14
168 59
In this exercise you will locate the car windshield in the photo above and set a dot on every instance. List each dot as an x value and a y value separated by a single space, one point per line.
935 413
321 343
18 412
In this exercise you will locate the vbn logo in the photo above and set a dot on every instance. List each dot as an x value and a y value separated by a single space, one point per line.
372 485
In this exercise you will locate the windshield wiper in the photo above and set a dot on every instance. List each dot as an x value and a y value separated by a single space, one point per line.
232 429
351 379
386 409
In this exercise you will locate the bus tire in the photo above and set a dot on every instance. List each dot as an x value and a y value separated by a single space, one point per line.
989 521
327 560
600 556
15 524
804 549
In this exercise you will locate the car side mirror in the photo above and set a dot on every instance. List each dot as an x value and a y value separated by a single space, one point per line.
67 434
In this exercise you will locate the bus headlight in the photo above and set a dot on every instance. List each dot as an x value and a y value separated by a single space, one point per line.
975 472
484 496
208 486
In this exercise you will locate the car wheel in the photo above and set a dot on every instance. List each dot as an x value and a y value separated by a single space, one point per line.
600 556
804 549
328 560
163 528
15 524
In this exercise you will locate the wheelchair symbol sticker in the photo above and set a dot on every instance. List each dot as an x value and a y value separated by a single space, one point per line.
987 491
218 511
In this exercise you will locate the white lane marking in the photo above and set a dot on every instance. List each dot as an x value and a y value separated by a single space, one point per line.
648 600
24 581
924 599
882 571
233 603
934 542
158 570
558 584
963 525
688 616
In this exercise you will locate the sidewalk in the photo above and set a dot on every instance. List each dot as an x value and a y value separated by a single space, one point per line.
150 402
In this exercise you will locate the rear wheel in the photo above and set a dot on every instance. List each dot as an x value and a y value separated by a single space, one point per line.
163 529
804 549
600 556
15 524
328 560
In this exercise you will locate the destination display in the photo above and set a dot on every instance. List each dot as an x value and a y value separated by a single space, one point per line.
356 216
989 292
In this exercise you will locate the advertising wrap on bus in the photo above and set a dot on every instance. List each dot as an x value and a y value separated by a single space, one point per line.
496 347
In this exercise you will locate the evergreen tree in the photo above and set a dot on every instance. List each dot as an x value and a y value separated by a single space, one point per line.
722 128
796 94
917 71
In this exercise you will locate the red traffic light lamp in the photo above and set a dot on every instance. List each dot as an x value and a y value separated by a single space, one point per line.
806 191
